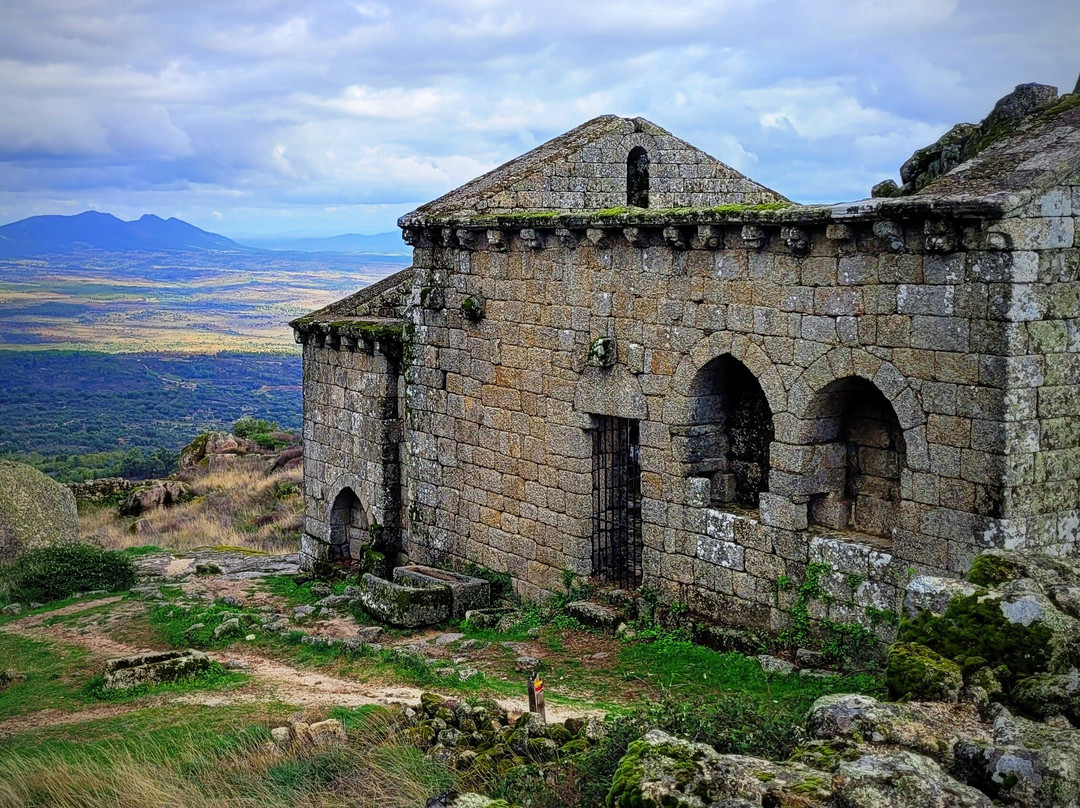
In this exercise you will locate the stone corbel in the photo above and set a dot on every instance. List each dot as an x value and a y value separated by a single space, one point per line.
635 236
890 234
497 240
675 238
466 238
707 238
753 236
446 236
597 237
568 238
940 236
840 232
532 238
796 239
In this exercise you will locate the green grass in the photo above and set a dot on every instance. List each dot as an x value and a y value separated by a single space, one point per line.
54 673
145 549
285 586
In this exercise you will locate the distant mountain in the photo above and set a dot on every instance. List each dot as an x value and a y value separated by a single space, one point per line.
53 235
377 244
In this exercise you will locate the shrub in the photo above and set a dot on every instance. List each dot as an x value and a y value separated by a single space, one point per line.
251 427
60 570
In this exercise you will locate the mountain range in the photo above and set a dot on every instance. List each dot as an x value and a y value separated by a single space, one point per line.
92 230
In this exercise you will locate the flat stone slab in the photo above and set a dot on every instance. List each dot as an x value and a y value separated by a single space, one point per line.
468 593
155 667
169 567
595 615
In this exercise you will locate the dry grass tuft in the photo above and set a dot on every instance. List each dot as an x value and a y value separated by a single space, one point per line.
376 768
240 507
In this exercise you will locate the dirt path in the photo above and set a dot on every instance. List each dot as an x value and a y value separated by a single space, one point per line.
271 680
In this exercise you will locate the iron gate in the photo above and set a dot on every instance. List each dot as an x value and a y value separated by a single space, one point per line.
616 544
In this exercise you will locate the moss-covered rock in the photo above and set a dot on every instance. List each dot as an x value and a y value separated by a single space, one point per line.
660 770
992 569
977 626
916 673
34 511
1049 695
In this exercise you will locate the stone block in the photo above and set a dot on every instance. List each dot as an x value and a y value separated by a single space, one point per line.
781 512
405 606
154 668
467 592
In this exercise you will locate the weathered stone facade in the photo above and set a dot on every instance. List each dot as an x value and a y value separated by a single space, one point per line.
887 387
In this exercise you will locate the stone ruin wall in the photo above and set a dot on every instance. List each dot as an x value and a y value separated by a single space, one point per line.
968 329
352 438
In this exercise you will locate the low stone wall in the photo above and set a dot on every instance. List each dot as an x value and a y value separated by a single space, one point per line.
105 489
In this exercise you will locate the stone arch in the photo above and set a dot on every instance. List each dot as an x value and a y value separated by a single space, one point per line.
838 364
679 407
637 177
731 433
350 529
857 455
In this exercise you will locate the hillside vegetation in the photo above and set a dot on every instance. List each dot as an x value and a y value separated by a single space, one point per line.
78 415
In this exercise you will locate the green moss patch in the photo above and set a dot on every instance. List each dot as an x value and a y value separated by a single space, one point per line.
917 673
990 570
975 627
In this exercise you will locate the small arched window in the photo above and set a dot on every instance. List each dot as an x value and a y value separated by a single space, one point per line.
637 178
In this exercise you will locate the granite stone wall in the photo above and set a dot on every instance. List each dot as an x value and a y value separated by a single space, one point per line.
352 441
916 396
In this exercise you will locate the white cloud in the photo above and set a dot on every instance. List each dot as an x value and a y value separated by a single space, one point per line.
261 111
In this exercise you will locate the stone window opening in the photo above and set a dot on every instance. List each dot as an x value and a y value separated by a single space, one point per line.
349 528
637 178
860 454
732 430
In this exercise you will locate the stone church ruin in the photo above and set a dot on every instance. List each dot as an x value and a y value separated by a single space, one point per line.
618 356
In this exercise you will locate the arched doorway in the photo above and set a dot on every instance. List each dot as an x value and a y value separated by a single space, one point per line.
731 432
349 527
860 453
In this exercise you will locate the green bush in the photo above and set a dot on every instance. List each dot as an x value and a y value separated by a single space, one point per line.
252 427
60 570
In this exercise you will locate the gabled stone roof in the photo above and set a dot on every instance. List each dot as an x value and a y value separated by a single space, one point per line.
381 301
585 170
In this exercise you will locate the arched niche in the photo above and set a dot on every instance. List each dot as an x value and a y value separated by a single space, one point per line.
859 454
350 532
731 431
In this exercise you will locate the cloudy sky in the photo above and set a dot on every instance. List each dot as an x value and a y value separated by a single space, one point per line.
265 117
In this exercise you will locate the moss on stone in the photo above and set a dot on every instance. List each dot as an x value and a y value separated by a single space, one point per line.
974 626
991 569
915 672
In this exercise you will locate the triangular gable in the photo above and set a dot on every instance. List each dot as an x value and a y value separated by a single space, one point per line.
586 170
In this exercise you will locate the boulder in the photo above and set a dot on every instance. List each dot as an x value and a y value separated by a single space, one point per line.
209 445
1047 695
1025 763
160 494
154 668
928 728
34 511
900 780
330 732
288 459
933 594
660 769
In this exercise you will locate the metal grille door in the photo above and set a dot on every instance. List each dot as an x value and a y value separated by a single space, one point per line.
616 548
